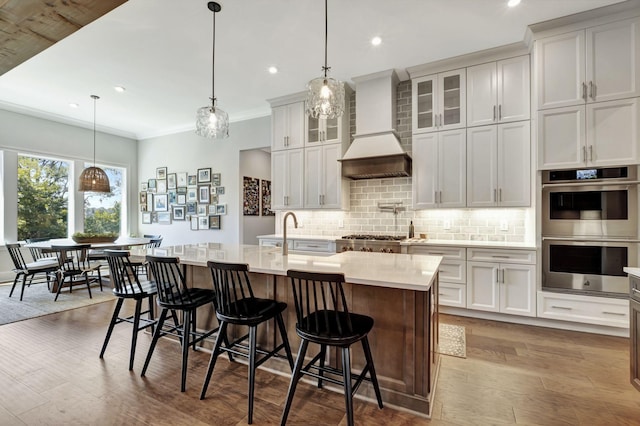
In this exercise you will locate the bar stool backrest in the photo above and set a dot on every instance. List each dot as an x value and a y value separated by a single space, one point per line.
16 256
123 274
168 275
321 307
232 286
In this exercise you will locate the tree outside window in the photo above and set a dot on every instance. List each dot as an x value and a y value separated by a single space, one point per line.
43 192
102 212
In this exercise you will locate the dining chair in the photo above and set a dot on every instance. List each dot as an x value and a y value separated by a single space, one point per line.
173 295
76 267
127 286
39 253
237 305
323 318
154 242
30 270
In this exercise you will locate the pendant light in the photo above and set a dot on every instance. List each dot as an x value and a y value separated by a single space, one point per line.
211 121
325 95
94 179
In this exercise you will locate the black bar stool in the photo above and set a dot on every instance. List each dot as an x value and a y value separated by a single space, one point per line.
173 295
127 285
324 318
236 304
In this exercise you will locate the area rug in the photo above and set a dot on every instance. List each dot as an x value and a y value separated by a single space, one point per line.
452 340
38 301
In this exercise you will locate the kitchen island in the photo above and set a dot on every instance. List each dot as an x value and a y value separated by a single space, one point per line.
399 291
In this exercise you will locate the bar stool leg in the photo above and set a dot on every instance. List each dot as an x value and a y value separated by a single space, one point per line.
346 374
114 318
222 335
252 369
134 337
323 355
285 340
186 330
372 370
156 335
295 376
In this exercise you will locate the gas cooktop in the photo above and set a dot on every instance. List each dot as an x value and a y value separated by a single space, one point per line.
373 237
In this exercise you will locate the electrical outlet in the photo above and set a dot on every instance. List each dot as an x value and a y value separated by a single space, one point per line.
340 223
504 225
447 224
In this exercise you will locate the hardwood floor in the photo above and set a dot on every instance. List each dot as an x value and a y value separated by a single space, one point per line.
50 373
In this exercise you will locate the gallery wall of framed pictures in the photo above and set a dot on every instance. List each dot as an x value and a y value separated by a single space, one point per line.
181 196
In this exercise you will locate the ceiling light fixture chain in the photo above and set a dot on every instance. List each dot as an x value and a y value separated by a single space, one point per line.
325 95
95 99
211 121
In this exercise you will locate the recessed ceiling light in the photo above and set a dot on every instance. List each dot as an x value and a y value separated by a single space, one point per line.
74 105
513 3
119 89
273 70
376 41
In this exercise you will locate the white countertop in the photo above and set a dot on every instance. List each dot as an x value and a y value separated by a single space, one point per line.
632 271
299 237
469 243
401 271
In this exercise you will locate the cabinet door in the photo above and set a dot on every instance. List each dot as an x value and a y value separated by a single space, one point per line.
612 61
634 340
452 100
423 101
313 131
313 177
517 289
425 170
331 176
452 168
482 92
513 89
295 178
561 138
560 70
279 127
296 117
612 132
278 179
482 168
514 164
482 286
331 130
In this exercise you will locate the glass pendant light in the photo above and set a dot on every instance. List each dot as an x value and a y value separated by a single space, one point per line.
94 179
211 121
325 95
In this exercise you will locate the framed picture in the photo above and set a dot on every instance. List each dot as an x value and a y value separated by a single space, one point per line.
161 173
215 179
143 198
192 180
219 190
203 194
164 218
251 196
203 222
212 209
214 190
265 193
204 175
181 190
192 194
150 202
191 208
214 199
161 203
202 209
194 223
214 222
146 217
161 186
171 181
173 197
178 212
181 199
144 186
151 185
181 179
154 217
221 209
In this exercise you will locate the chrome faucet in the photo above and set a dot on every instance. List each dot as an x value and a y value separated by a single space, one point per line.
285 246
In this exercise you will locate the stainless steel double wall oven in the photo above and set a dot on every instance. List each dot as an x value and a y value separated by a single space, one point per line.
589 229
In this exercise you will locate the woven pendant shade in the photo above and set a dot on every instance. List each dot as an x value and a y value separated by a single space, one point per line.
94 179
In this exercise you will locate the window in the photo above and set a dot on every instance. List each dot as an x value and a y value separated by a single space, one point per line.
43 197
103 212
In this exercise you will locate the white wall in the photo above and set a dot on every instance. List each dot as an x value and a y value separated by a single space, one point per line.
187 152
256 163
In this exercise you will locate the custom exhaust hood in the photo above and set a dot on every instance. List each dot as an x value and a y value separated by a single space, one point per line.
375 151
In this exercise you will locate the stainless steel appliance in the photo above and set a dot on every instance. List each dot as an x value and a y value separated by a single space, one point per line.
369 243
600 203
588 266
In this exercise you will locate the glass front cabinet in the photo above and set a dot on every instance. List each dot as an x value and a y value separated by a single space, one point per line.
323 130
439 102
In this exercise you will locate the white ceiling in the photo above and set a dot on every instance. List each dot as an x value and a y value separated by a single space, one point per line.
160 51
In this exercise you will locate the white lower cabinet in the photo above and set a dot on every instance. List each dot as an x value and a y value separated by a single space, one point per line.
584 309
497 282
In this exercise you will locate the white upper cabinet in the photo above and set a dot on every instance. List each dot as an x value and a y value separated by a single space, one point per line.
439 101
598 134
498 92
498 165
593 65
287 175
287 124
320 130
439 170
324 186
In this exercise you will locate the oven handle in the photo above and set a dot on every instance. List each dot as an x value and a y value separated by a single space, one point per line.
571 239
592 183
